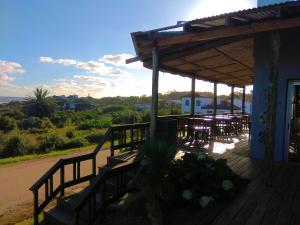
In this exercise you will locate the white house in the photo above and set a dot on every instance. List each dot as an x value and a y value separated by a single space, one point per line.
199 101
204 105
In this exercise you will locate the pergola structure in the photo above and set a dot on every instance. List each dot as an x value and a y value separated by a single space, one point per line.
217 49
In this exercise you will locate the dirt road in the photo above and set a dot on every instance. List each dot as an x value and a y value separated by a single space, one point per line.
16 179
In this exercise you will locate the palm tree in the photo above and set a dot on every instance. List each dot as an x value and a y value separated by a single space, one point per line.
41 105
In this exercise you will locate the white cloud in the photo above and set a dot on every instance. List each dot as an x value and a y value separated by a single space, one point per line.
120 60
7 69
91 66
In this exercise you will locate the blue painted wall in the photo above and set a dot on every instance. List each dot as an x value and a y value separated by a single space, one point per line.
289 69
269 2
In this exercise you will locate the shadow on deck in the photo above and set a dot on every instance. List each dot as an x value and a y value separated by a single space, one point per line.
259 203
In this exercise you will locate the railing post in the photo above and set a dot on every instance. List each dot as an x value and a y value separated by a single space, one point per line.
112 140
131 137
35 207
94 165
62 181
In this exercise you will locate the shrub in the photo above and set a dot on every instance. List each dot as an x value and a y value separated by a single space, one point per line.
126 117
94 137
7 124
31 122
113 108
70 134
53 142
59 119
17 145
90 124
47 124
200 179
74 143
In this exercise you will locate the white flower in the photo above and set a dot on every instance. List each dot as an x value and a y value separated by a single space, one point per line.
201 156
227 185
205 200
187 194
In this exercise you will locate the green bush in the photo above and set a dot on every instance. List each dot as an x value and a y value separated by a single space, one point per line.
59 119
97 124
94 137
113 108
30 122
200 179
74 143
47 124
70 134
53 142
17 145
127 117
7 124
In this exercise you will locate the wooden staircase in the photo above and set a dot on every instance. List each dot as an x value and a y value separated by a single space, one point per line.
106 188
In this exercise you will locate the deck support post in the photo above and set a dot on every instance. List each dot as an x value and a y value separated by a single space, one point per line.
215 98
272 105
243 100
154 108
232 100
193 97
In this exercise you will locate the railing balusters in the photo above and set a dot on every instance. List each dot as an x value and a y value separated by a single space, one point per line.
74 170
51 185
120 137
62 181
46 190
36 207
78 170
94 165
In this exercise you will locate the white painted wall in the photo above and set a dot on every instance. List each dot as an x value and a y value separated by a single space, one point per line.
248 105
186 104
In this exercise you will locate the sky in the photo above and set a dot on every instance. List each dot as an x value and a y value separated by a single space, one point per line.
80 47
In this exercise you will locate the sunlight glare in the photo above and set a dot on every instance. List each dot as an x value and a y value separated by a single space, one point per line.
208 8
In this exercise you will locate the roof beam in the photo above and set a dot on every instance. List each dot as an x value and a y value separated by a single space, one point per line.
230 31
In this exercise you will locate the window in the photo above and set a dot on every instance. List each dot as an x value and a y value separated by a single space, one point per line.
198 103
187 102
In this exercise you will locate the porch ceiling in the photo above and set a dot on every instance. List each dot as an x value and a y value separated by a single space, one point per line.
217 49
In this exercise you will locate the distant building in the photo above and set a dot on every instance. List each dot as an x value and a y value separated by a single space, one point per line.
222 107
140 106
204 105
76 106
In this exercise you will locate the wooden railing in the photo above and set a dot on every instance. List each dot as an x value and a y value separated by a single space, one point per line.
97 197
121 137
128 136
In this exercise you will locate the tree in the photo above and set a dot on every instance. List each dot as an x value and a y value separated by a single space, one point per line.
41 105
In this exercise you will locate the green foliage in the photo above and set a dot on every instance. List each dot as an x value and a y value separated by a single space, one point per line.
200 180
59 119
41 105
52 142
35 123
74 143
94 137
113 109
15 114
125 117
17 145
7 123
94 123
70 134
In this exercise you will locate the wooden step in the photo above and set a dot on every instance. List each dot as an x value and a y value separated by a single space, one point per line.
121 158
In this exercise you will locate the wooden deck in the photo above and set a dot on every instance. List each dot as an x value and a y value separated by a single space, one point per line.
259 203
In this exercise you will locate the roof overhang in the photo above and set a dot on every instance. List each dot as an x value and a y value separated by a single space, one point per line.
217 49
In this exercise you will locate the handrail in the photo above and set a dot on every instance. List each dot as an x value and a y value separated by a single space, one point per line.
89 199
115 133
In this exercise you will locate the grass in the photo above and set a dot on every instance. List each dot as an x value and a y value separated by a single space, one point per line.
30 220
47 155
